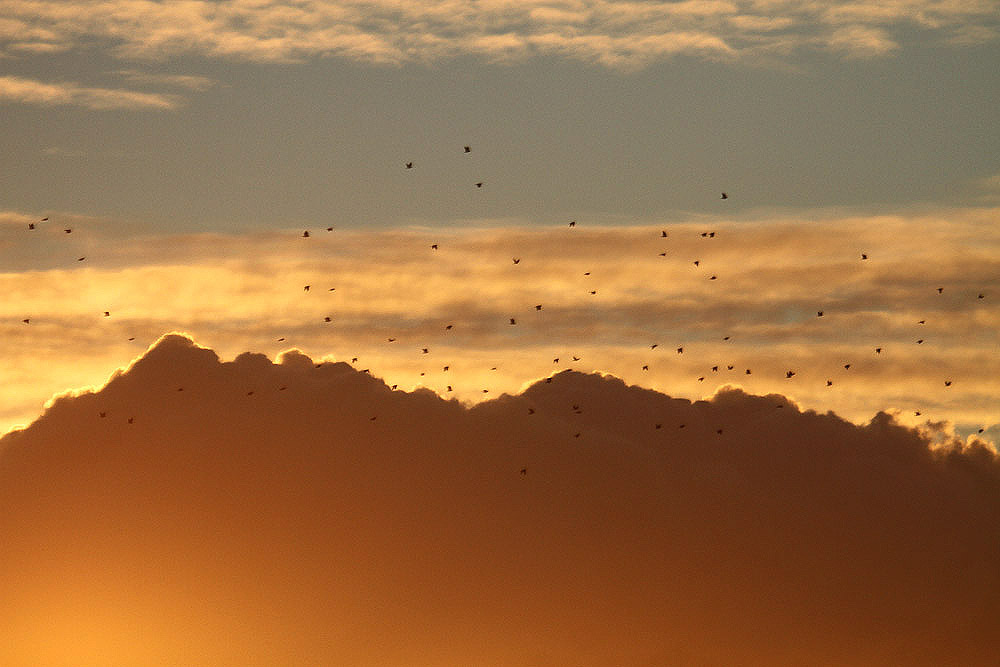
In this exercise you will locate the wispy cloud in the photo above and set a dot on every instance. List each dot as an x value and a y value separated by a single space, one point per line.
772 279
186 81
613 33
31 91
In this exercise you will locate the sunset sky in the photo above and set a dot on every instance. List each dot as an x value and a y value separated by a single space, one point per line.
236 172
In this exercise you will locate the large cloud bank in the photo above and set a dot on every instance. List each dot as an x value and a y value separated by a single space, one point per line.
249 512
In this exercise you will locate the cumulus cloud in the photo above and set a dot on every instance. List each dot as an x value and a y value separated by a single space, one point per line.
614 33
32 91
208 512
773 276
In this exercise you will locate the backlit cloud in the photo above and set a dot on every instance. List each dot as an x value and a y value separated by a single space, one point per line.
31 91
204 512
616 34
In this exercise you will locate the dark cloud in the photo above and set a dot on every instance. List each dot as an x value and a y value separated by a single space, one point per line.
200 512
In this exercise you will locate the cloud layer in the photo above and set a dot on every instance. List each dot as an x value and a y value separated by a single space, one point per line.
248 512
31 91
610 33
389 295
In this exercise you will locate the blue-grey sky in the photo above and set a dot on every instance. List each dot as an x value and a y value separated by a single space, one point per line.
175 117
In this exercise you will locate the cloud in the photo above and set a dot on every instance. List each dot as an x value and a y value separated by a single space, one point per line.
187 81
621 34
773 275
31 91
209 512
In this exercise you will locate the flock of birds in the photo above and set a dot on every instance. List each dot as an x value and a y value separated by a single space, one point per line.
512 321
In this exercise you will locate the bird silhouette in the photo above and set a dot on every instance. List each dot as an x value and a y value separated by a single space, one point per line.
305 234
920 341
26 320
697 262
434 246
327 319
31 225
789 374
538 307
516 260
846 366
645 368
448 327
653 346
305 288
572 223
107 313
819 313
864 256
878 350
329 229
947 383
524 471
68 231
940 290
715 369
829 383
409 165
982 296
424 350
663 234
468 149
513 321
680 350
724 196
80 259
479 184
713 277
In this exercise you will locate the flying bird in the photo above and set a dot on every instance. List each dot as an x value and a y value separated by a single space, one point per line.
713 277
513 321
789 374
982 296
44 220
680 350
524 471
448 328
517 260
697 262
663 234
653 346
663 254
81 259
306 288
26 320
329 229
538 307
920 341
576 358
724 196
572 223
940 289
819 313
434 246
107 313
68 231
468 149
947 383
31 225
864 256
878 350
424 350
829 383
409 165
479 184
846 366
326 319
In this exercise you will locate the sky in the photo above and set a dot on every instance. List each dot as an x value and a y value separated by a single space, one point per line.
719 203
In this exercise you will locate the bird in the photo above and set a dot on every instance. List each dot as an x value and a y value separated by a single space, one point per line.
653 346
719 431
864 256
586 273
556 360
538 307
713 278
572 223
729 367
329 229
697 262
878 350
513 321
982 296
107 313
725 338
80 259
26 320
68 231
132 338
947 383
305 288
448 327
424 350
524 471
531 411
468 149
829 383
392 340
409 165
281 340
724 196
479 184
449 388
748 371
819 313
593 291
680 350
789 374
327 319
663 234
663 254
576 358
715 369
445 369
31 225
658 426
516 260
940 290
434 246
921 340
701 379
44 220
922 322
103 415
645 368
131 420
305 234
847 366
